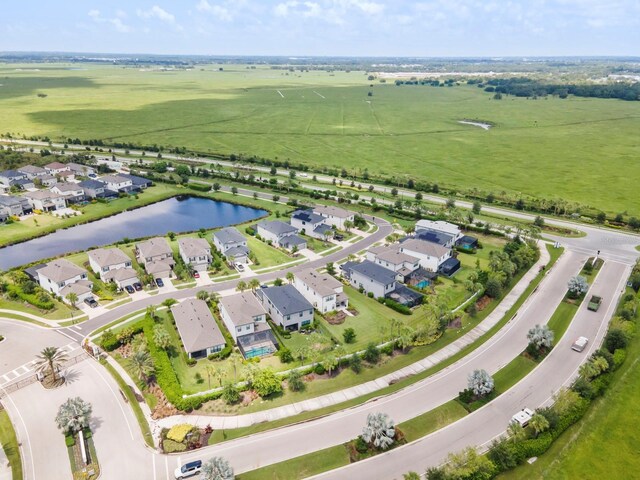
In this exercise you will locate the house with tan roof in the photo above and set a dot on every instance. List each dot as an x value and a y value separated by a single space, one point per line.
72 192
323 291
157 257
197 328
195 252
32 171
45 200
431 255
392 258
246 319
335 216
62 277
113 265
56 168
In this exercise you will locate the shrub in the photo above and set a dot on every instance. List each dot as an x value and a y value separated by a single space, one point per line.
296 383
619 357
178 433
69 440
355 363
370 294
191 361
387 349
171 446
31 298
361 445
349 335
230 394
371 354
398 307
265 383
493 288
319 369
285 355
615 339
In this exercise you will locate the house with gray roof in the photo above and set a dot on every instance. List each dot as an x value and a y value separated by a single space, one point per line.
46 180
118 183
286 306
62 277
281 234
138 182
10 177
195 252
452 231
72 192
197 328
16 206
392 258
309 223
323 291
80 169
113 265
32 171
96 189
232 244
370 277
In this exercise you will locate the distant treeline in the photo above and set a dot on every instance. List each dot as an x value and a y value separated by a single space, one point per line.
526 87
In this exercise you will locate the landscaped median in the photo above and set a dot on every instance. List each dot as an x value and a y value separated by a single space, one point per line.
10 445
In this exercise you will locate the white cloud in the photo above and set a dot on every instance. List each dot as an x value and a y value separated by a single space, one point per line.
158 13
220 12
305 9
116 22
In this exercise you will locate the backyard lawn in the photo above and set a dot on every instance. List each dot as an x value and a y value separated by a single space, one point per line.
267 256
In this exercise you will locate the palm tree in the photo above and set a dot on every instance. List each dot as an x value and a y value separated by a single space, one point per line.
202 295
142 365
289 277
72 298
242 286
73 415
379 431
254 284
516 432
51 358
236 361
217 469
151 311
539 423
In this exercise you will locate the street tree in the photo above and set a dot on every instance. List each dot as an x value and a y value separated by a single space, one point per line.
541 336
141 365
577 286
254 284
241 286
72 298
73 415
202 295
516 432
51 359
480 383
379 431
476 208
217 468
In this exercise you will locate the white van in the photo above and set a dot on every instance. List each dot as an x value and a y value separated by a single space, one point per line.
523 417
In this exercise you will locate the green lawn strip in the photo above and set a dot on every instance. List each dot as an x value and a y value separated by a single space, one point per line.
267 255
10 445
432 420
15 316
122 320
229 434
75 321
118 304
137 410
59 312
561 318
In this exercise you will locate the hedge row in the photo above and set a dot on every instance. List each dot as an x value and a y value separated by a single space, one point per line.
110 342
31 298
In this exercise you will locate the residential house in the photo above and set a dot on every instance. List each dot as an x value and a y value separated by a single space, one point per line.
32 171
195 252
246 320
334 216
113 265
370 277
157 257
392 258
61 277
65 176
56 168
46 180
467 242
439 226
118 183
309 223
232 244
323 291
72 192
81 170
440 238
431 255
197 328
16 206
45 200
23 184
286 306
96 189
3 216
281 234
138 182
10 177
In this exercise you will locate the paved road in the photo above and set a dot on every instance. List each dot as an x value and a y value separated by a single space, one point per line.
558 369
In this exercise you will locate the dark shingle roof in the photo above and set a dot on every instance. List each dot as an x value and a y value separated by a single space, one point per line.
432 236
307 216
92 184
293 240
286 299
276 227
371 270
11 174
135 180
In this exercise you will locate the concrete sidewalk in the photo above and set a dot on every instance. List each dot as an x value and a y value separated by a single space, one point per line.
237 421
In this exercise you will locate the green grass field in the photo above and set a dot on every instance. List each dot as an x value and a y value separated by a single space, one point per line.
10 445
545 147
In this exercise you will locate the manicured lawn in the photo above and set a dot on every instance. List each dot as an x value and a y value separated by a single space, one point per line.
561 318
10 445
512 373
432 420
59 312
267 256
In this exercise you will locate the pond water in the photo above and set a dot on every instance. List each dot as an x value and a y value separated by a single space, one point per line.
484 126
178 214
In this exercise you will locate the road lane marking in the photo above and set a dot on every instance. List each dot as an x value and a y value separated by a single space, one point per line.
68 336
166 466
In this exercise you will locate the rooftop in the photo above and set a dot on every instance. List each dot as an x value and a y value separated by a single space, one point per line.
9 200
322 283
92 184
154 247
433 236
61 270
196 325
424 247
371 270
393 255
55 166
286 299
439 225
11 174
67 187
194 247
42 195
106 257
32 169
332 211
229 235
242 308
293 240
114 179
276 227
307 216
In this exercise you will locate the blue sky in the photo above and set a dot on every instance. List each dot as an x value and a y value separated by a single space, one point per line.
325 27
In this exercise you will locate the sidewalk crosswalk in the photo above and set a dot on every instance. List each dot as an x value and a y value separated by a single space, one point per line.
29 367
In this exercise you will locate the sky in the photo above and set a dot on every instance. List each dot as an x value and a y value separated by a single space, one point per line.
426 28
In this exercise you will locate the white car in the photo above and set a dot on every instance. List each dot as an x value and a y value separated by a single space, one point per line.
188 470
580 344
